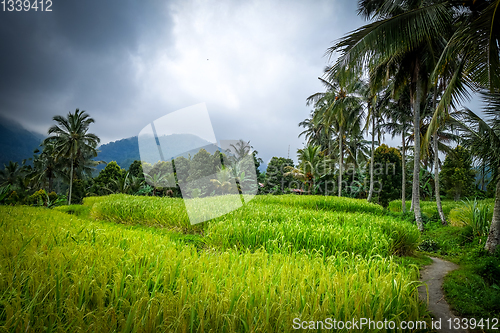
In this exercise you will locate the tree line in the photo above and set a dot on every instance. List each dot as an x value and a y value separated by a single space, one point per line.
406 72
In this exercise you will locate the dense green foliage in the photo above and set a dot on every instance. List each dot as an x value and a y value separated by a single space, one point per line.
387 173
457 174
276 182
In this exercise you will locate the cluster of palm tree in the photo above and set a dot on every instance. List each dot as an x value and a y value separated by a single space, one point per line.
70 144
425 56
65 155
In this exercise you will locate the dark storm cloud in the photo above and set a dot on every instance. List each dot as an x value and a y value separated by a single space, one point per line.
128 62
78 53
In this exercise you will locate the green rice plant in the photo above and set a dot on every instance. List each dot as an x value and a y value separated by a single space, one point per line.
61 273
397 206
291 223
319 202
278 228
150 211
81 211
429 208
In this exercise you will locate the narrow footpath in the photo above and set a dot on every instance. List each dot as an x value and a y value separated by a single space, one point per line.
433 276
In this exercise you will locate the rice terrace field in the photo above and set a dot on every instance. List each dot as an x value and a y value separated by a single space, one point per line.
109 266
249 166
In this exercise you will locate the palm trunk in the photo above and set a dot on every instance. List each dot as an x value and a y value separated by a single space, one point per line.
494 235
51 182
70 181
436 179
403 163
372 159
416 154
341 149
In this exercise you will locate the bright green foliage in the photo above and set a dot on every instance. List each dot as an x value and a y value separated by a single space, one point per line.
476 215
387 174
429 208
62 273
135 169
78 192
110 173
330 203
276 183
150 211
457 175
38 198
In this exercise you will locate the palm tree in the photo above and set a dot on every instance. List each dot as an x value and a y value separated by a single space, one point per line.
159 179
11 174
45 167
401 42
339 108
471 57
398 114
483 138
375 102
312 166
224 181
71 140
317 134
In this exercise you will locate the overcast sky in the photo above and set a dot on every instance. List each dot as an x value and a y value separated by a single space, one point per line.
130 62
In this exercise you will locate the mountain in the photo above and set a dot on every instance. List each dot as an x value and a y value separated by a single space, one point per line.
16 142
126 151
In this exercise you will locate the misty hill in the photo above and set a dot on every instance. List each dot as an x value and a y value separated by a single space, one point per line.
16 142
125 151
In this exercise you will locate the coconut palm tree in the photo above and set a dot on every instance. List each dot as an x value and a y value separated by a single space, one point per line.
402 42
471 58
45 167
10 174
71 140
483 138
312 166
398 115
339 108
376 100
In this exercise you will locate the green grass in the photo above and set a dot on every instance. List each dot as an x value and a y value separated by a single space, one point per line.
428 208
63 273
319 202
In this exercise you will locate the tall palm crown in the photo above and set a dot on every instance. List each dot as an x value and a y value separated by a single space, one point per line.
71 139
339 109
403 42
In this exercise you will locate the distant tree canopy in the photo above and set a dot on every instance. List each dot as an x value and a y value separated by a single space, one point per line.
388 174
457 175
135 169
276 182
112 172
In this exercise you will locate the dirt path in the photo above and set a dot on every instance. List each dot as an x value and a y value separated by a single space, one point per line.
433 275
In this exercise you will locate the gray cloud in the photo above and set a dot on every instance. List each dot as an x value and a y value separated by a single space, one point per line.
129 62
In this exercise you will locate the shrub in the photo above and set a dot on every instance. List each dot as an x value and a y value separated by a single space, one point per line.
39 198
52 196
428 245
476 215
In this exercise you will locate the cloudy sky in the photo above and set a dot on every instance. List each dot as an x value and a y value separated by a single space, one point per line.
128 62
